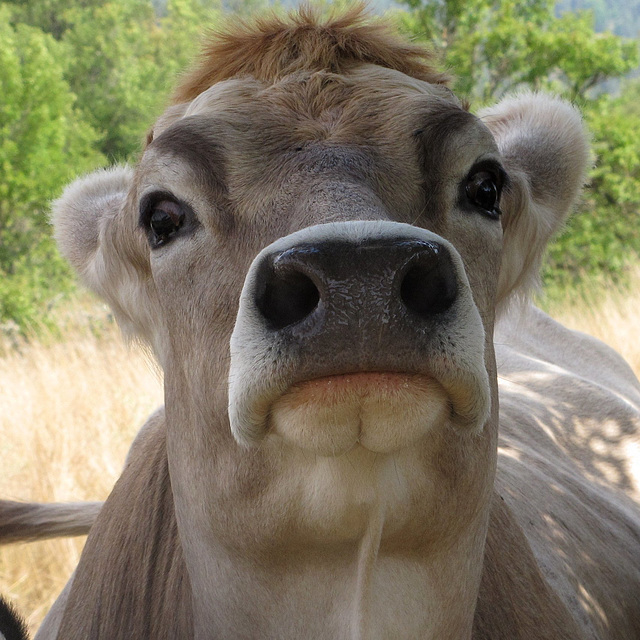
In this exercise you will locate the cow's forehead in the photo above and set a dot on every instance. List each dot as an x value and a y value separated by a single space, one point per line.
369 108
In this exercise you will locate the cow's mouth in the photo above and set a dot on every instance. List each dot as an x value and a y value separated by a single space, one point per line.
380 411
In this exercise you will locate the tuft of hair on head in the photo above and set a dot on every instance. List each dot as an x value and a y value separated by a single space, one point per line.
271 47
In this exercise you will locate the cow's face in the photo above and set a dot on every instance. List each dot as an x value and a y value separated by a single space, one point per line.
368 260
317 264
316 261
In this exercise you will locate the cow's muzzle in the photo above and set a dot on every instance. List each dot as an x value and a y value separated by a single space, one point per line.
380 316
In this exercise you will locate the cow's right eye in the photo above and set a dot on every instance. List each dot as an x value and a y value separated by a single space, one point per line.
483 191
163 220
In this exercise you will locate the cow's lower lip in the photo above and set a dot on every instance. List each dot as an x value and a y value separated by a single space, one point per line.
381 411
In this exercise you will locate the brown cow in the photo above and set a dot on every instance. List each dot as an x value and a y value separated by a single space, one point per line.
315 243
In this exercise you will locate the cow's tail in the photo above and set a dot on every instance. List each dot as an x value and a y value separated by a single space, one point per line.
29 521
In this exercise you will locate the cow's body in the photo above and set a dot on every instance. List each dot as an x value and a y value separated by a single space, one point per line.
314 244
569 425
561 560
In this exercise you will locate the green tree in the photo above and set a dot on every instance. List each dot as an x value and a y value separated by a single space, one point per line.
181 32
603 237
115 72
43 144
77 84
46 15
497 46
124 62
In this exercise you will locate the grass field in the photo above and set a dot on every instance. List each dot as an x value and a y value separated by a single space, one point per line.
70 409
69 412
611 314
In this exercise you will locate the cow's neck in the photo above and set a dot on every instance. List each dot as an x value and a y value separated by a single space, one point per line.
412 594
363 566
355 592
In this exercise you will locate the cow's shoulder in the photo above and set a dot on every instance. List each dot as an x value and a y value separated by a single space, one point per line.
526 335
515 601
131 580
567 466
569 398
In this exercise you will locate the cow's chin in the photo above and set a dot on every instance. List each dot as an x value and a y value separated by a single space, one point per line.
381 412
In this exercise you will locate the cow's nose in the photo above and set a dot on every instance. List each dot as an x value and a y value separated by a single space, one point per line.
428 285
417 275
286 291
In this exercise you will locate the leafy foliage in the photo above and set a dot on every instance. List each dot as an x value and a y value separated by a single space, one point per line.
43 144
79 88
602 240
496 47
113 52
132 58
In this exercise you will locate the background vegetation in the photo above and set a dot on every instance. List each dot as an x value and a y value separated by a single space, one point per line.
81 82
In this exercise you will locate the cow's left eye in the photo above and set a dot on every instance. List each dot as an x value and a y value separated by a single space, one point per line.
163 219
483 191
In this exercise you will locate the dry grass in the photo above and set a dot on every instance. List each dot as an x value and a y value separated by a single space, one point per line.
75 405
69 412
611 314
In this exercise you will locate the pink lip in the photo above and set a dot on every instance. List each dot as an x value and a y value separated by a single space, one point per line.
364 383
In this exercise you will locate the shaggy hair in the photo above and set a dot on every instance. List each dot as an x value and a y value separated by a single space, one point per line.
269 48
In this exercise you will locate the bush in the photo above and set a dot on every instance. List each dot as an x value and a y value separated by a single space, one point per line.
602 239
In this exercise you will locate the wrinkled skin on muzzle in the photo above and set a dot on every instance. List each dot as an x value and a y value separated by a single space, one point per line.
356 333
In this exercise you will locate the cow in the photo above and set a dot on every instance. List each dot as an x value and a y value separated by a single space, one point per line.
368 430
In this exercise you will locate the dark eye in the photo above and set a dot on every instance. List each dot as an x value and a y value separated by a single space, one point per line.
164 220
483 191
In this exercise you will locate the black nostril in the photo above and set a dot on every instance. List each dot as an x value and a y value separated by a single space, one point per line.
287 297
429 286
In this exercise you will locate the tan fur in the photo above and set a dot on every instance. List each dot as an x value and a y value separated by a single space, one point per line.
20 521
269 48
143 563
297 131
513 592
570 424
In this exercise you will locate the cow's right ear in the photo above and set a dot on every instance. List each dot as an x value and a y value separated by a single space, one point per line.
545 150
97 231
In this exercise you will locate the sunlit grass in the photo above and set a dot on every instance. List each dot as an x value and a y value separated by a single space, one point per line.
70 409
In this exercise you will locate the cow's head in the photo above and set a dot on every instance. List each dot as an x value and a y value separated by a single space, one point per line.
314 243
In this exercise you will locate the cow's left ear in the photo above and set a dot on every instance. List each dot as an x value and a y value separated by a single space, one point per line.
545 150
96 228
